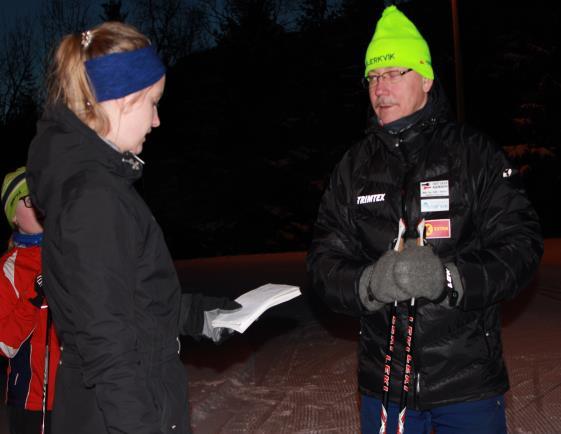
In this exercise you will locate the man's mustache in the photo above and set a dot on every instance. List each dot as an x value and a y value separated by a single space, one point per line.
384 102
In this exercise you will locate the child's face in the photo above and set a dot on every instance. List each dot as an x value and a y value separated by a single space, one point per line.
26 219
135 117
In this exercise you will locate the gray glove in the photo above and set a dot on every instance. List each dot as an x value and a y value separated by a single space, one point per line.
377 285
419 273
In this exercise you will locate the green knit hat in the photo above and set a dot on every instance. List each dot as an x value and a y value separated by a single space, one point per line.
14 188
397 42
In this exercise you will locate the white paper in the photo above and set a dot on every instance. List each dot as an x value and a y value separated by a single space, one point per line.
254 303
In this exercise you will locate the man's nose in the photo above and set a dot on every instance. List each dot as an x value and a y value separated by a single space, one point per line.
381 87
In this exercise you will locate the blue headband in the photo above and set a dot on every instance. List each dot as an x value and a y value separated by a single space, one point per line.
119 74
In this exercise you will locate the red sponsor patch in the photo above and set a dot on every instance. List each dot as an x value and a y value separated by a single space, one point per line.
438 228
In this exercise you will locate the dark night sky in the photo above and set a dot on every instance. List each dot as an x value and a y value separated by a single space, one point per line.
20 8
14 8
262 136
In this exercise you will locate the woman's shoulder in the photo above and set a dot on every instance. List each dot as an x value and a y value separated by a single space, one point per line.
94 182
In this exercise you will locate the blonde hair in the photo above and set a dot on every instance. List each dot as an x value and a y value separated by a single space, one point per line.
68 82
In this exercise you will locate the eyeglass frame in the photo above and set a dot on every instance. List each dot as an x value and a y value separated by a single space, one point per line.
373 80
27 201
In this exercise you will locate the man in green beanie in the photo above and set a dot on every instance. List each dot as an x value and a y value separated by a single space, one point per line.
479 245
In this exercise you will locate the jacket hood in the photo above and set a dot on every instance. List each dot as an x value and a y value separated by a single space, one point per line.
63 147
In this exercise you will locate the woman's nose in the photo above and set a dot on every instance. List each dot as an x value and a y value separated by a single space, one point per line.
156 119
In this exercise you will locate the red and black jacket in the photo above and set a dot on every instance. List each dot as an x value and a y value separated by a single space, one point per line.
23 329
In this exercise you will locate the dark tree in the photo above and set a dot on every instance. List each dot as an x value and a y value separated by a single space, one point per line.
314 14
249 22
57 18
112 11
513 90
17 78
173 26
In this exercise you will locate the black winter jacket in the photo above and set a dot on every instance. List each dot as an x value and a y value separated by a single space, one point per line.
495 243
111 285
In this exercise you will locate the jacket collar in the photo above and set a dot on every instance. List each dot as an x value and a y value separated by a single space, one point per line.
93 147
405 136
26 240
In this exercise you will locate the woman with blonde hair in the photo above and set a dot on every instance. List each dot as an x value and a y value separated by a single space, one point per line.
109 278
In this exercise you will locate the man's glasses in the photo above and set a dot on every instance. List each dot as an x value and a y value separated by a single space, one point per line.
393 76
27 201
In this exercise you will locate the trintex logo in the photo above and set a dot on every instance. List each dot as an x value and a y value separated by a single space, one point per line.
370 198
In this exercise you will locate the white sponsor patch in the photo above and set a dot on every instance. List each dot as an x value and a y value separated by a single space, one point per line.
435 205
370 198
434 188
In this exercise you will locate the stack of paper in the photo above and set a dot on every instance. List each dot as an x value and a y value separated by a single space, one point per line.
254 303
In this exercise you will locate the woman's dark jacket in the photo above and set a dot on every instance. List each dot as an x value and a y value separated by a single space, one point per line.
495 243
111 285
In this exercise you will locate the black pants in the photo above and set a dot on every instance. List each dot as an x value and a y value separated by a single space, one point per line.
27 422
3 376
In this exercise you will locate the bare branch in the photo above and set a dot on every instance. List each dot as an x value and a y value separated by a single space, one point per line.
17 74
58 18
175 28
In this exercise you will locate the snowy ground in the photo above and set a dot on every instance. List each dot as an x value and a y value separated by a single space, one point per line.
294 370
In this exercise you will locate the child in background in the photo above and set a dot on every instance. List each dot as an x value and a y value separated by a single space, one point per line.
27 338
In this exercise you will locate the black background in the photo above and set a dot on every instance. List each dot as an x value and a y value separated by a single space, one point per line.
252 127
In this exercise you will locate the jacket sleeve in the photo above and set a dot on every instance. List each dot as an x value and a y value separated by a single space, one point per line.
191 314
508 244
335 261
100 248
18 317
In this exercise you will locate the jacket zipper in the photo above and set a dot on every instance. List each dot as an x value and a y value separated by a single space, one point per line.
403 184
404 215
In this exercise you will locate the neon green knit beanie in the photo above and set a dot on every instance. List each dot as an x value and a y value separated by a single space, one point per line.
397 42
14 188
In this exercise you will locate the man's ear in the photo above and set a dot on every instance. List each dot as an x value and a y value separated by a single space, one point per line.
427 84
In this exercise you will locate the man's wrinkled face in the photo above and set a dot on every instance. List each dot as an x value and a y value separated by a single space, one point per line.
392 98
